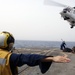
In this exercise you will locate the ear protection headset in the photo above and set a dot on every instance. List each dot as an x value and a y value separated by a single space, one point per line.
5 39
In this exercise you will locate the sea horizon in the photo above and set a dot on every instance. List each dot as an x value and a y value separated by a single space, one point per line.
41 44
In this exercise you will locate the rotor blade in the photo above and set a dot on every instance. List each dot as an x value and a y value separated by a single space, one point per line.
53 3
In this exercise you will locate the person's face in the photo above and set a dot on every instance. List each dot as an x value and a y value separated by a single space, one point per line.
11 46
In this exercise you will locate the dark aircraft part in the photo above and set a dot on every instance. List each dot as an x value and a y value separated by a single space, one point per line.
74 7
73 22
66 18
72 26
64 11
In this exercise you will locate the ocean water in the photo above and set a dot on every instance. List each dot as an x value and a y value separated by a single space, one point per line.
41 44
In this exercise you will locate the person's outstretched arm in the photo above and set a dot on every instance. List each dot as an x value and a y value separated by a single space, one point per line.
35 59
43 61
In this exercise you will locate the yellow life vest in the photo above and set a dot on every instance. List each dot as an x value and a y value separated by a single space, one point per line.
4 63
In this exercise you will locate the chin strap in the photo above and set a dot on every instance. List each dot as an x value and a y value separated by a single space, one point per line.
12 49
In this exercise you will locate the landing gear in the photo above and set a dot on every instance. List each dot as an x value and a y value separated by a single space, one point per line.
72 24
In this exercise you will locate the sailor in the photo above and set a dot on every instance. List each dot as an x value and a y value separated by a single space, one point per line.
62 46
9 62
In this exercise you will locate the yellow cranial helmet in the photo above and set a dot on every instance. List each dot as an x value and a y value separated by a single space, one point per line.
5 39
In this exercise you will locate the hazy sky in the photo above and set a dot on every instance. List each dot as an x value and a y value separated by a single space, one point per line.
32 20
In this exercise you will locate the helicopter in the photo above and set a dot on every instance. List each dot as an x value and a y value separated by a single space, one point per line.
68 13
